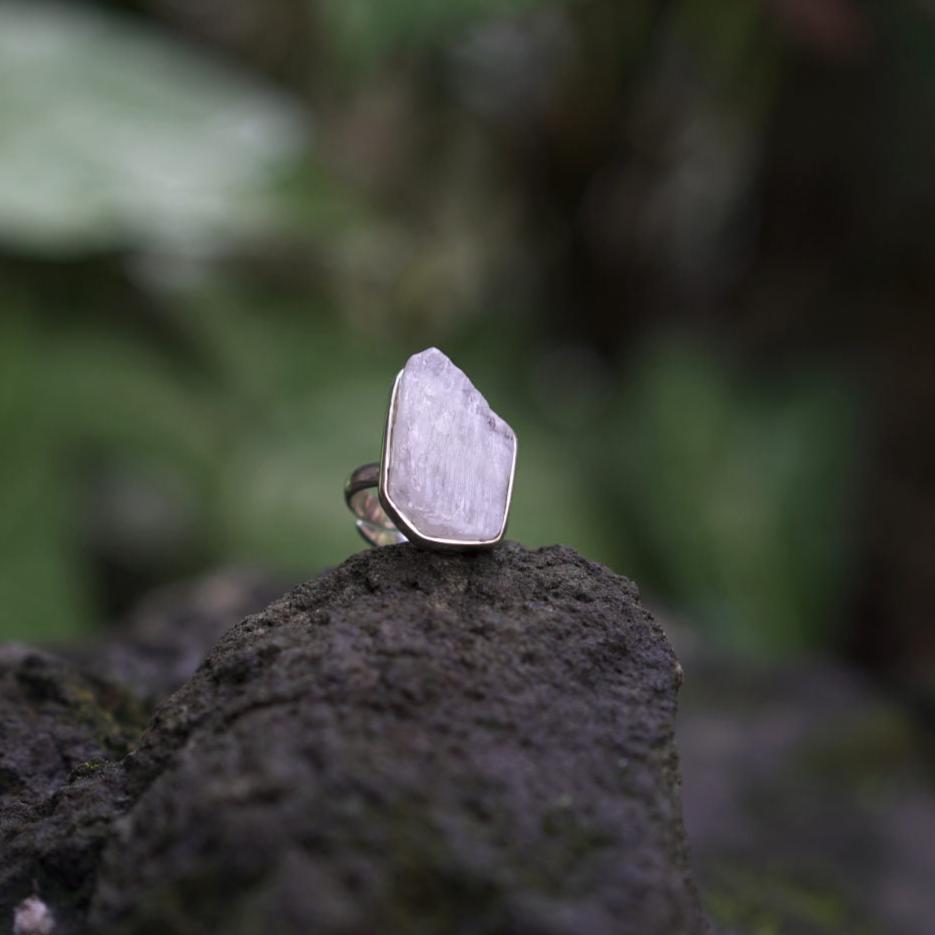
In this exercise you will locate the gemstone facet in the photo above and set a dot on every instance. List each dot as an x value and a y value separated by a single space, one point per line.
448 458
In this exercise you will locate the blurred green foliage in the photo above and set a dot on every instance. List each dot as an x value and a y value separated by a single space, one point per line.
729 502
366 31
736 497
116 137
276 280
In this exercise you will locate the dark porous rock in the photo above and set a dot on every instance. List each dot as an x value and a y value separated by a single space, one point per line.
808 798
171 631
62 734
412 743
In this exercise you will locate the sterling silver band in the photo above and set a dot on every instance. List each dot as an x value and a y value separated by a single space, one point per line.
360 495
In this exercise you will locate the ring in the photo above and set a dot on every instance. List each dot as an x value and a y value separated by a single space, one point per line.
445 476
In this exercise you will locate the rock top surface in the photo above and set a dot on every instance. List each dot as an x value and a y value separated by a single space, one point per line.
413 742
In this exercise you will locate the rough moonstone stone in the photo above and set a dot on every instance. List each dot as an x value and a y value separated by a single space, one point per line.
450 455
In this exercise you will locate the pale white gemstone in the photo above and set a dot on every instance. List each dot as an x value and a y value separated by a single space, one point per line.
450 455
33 917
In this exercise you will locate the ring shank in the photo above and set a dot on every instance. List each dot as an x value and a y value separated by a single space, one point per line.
372 522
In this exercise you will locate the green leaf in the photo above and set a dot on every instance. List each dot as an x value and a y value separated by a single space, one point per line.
115 136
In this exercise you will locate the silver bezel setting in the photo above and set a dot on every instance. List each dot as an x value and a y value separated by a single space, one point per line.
403 523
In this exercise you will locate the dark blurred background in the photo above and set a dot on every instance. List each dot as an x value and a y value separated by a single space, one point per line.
685 247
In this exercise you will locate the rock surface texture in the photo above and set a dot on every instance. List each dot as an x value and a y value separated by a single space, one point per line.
412 743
